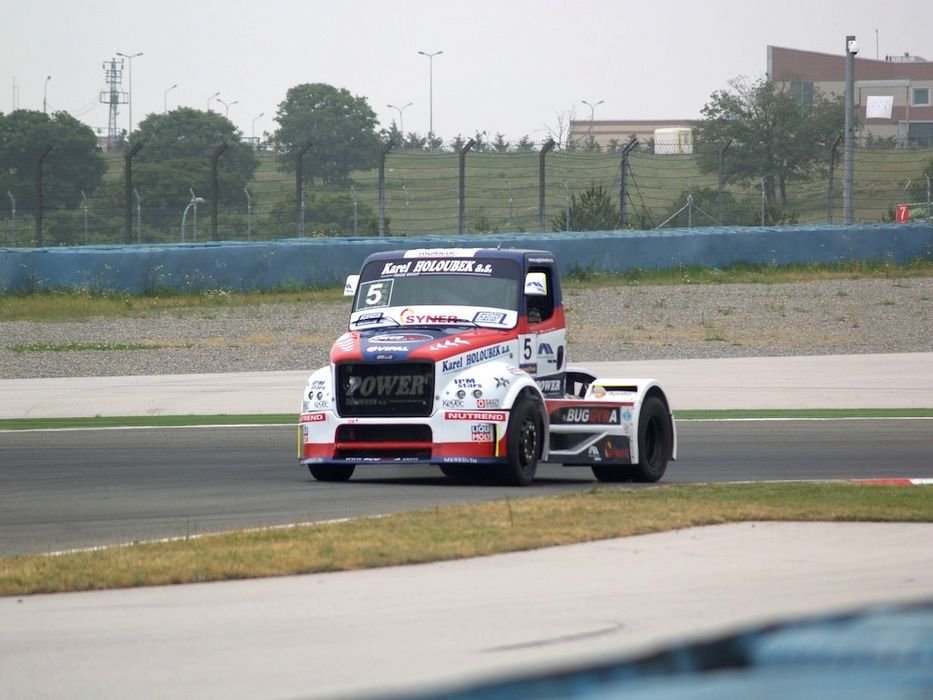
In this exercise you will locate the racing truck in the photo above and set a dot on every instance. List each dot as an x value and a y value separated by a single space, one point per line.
457 357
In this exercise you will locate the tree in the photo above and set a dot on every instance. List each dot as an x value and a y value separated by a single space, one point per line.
176 158
771 135
593 211
341 129
72 166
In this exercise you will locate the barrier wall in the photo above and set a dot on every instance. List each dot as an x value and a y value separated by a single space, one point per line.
327 261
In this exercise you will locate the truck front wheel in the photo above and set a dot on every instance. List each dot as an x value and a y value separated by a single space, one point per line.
332 472
524 443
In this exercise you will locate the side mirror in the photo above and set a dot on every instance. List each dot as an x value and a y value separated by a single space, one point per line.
349 287
536 284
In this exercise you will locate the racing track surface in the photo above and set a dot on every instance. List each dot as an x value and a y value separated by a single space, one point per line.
80 488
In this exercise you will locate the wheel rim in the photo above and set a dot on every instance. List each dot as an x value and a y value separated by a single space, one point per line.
528 443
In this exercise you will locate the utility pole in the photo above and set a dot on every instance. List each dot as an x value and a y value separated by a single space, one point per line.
848 206
113 96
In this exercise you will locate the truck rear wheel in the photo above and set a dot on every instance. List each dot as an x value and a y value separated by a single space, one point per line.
524 443
655 444
332 472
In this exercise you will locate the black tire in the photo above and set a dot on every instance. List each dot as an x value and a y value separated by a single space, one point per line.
331 472
458 472
655 441
526 433
655 445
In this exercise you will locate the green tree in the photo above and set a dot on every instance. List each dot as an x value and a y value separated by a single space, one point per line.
176 156
340 127
593 211
771 135
72 166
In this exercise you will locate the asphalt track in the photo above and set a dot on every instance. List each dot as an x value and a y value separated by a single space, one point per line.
410 627
68 489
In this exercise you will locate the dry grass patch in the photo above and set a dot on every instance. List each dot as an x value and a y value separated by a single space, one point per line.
457 532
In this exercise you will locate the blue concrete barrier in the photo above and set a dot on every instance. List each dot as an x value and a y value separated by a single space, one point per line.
327 261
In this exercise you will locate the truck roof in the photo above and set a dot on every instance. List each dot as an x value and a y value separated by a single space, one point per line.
518 254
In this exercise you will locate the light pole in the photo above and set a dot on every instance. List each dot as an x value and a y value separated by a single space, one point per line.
592 106
431 91
252 135
227 106
165 98
45 94
401 122
130 57
211 98
848 208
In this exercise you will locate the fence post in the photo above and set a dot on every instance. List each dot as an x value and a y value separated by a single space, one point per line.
215 187
461 189
830 194
623 182
382 188
545 147
39 202
299 184
128 191
722 182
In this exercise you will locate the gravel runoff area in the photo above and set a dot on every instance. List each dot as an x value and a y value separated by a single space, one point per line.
613 323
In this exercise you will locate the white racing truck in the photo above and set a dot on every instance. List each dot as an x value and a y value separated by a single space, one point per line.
457 357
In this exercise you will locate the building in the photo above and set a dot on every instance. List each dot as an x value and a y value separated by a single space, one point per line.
903 83
619 131
893 96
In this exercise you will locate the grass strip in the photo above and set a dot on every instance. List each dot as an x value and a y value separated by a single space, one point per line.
291 418
443 534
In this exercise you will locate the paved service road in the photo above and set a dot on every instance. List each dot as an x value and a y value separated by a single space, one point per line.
79 488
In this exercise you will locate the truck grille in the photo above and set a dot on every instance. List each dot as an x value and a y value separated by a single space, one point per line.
385 390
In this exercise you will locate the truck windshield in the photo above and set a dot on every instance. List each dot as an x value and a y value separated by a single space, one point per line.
484 283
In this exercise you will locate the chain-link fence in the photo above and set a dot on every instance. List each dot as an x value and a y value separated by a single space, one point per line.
237 193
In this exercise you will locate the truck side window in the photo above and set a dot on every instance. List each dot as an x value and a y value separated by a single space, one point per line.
541 308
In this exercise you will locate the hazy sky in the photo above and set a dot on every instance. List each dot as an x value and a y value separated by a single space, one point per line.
509 66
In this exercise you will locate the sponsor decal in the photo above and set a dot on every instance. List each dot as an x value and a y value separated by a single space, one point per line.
452 403
550 386
383 358
489 317
450 343
530 367
441 252
392 269
317 384
502 382
408 315
387 385
426 266
593 453
591 415
488 403
476 357
466 382
318 405
545 349
452 365
387 348
462 460
313 417
627 416
477 416
345 342
538 260
366 319
481 432
400 338
618 453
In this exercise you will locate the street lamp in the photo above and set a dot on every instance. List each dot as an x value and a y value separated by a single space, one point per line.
45 94
130 57
211 98
165 98
227 106
848 205
252 136
592 106
431 91
400 110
